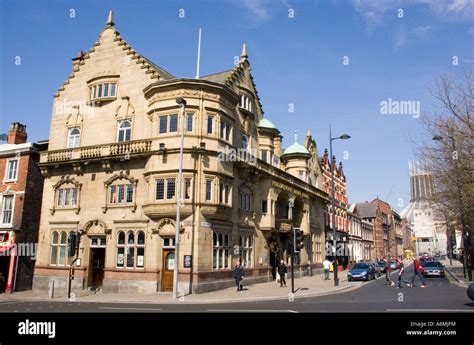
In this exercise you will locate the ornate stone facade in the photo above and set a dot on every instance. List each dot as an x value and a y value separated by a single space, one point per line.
111 173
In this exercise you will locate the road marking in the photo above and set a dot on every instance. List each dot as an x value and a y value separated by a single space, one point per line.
124 308
433 310
252 311
10 303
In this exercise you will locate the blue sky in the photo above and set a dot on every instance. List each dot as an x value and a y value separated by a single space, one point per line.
295 60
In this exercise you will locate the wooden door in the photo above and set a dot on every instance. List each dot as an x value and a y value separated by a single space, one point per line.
167 270
97 266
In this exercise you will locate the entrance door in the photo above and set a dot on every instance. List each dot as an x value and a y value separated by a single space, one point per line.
97 266
167 271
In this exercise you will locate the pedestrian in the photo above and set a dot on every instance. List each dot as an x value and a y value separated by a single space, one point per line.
282 269
326 266
238 275
388 270
417 270
400 274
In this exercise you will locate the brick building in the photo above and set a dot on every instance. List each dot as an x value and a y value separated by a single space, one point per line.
342 236
20 205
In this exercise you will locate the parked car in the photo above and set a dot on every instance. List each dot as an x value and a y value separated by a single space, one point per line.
433 268
361 270
377 268
381 265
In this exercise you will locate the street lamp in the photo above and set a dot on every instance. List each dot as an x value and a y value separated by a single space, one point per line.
182 104
465 233
331 139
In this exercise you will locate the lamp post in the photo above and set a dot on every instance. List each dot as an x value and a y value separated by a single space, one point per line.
465 233
182 104
331 139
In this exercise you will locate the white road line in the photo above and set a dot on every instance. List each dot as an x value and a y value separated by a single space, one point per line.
433 310
124 308
10 303
252 311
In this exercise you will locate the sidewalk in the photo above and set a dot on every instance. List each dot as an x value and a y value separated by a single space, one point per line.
455 272
304 287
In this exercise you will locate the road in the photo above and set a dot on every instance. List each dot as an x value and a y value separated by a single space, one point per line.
376 296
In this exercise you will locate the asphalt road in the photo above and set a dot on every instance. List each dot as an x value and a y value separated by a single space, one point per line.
376 296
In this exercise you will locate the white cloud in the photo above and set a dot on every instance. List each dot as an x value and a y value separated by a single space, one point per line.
374 11
258 8
403 36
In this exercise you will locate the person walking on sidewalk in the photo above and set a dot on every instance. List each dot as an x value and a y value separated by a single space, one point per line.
400 274
326 266
388 270
417 269
282 269
238 275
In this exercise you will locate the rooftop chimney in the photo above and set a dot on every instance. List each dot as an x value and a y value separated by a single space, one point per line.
17 133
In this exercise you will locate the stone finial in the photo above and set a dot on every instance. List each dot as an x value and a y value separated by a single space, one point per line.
244 55
296 136
244 51
110 21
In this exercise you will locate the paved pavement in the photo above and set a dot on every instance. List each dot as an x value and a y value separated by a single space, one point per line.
305 286
455 272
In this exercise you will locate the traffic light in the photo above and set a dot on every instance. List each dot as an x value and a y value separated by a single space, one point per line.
73 241
298 239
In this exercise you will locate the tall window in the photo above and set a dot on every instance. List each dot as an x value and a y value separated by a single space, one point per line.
265 206
58 248
187 187
245 201
173 123
67 197
131 249
208 190
224 191
220 252
189 122
124 131
121 194
11 172
245 142
246 246
7 209
210 121
168 124
74 137
165 189
264 155
225 131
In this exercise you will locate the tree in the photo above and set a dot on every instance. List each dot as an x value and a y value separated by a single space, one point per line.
449 157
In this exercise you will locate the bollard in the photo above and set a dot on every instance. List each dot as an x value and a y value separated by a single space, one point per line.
51 289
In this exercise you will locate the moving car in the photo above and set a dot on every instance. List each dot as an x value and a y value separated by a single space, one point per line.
361 270
433 268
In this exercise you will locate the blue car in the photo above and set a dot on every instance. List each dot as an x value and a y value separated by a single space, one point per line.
362 271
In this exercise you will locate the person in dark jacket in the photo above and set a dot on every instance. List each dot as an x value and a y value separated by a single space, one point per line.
282 270
238 275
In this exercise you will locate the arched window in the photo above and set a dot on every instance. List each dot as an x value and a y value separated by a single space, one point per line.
220 253
74 137
131 249
124 130
246 250
58 248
